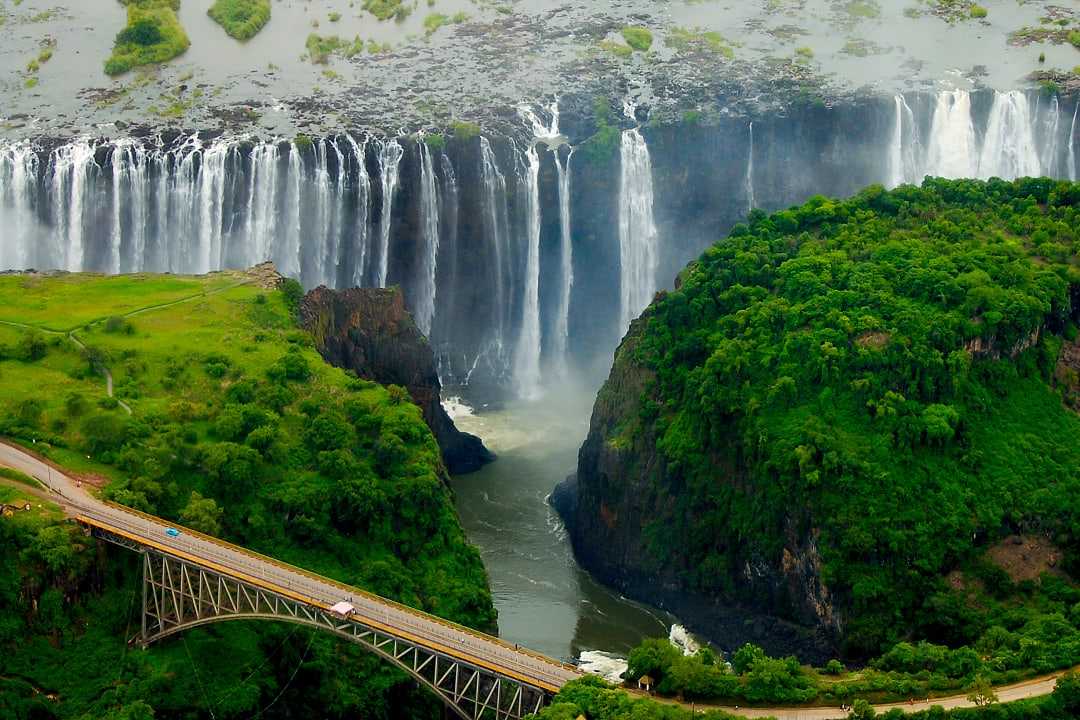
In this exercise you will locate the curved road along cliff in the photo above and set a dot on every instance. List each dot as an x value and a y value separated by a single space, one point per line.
465 643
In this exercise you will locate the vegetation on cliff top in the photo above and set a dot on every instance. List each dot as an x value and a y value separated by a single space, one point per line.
888 378
153 34
237 427
594 699
242 19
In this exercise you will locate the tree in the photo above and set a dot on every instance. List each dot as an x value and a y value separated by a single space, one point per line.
104 432
202 514
29 412
653 657
32 347
982 693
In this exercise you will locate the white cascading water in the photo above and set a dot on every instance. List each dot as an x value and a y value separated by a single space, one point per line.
262 201
903 148
550 134
496 224
527 353
429 237
951 151
337 230
638 252
560 343
211 197
323 216
749 182
18 173
289 253
361 237
1048 154
390 154
1074 171
72 167
1008 149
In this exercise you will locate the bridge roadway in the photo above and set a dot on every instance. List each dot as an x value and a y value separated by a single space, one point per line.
434 633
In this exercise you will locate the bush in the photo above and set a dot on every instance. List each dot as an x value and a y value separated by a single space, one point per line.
104 432
143 32
639 38
32 347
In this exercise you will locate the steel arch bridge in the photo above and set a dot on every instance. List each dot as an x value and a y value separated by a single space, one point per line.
182 591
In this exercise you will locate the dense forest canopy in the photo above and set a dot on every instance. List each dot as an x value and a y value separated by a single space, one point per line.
891 376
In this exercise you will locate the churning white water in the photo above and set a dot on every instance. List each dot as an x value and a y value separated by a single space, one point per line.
527 353
638 252
607 665
360 241
390 154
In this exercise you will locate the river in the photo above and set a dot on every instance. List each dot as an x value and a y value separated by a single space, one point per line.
545 600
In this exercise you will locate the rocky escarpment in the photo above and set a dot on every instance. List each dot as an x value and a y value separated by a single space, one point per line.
369 331
608 506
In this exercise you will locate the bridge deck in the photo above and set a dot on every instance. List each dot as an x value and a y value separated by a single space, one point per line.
454 640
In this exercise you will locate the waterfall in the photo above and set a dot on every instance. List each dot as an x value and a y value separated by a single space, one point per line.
951 152
1008 149
390 155
749 183
1048 156
338 230
637 230
527 354
289 256
323 207
1074 171
902 148
18 173
361 238
560 341
73 166
262 196
429 231
496 225
449 262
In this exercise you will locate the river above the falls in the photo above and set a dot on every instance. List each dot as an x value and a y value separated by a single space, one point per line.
545 600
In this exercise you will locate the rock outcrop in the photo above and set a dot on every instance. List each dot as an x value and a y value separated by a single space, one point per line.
616 493
369 331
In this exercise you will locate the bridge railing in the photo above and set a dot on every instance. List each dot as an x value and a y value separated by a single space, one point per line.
347 588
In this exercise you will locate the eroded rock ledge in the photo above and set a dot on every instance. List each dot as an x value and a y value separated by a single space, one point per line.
369 331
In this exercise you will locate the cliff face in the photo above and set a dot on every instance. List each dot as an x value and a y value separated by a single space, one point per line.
624 483
369 331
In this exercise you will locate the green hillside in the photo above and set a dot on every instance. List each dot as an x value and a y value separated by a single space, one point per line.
238 428
881 390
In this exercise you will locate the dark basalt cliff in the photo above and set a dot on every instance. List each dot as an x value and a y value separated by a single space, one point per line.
369 331
609 503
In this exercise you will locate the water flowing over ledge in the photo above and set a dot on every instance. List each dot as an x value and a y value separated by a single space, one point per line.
518 258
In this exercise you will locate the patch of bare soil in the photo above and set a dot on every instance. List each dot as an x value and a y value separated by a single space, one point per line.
1026 557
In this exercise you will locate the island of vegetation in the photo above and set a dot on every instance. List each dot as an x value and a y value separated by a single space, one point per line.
153 34
860 417
224 418
242 19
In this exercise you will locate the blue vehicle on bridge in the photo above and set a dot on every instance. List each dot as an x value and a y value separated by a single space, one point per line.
172 532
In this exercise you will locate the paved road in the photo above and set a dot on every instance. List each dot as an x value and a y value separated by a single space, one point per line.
462 642
467 645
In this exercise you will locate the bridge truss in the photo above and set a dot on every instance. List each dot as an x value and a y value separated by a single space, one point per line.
178 594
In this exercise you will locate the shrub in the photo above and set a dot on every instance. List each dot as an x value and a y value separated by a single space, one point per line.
104 432
978 11
242 19
637 37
